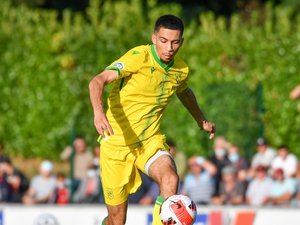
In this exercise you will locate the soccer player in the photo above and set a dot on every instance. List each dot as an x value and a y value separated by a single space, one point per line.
144 79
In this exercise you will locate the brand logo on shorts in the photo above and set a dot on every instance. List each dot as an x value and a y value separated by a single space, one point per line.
119 65
110 193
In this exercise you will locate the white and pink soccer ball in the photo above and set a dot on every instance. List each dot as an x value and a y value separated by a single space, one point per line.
179 210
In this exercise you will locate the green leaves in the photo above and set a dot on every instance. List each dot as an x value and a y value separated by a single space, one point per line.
46 66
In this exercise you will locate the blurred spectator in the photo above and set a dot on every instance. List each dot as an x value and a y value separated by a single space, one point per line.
15 178
142 191
286 161
259 188
199 183
151 195
220 160
295 93
42 186
296 199
89 189
264 155
231 190
96 158
5 190
179 158
282 189
1 150
238 162
61 194
83 159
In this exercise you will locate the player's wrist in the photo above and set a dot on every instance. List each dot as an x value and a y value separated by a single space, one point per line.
201 123
98 112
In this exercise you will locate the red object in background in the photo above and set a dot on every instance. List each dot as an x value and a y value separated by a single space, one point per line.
62 196
244 218
215 218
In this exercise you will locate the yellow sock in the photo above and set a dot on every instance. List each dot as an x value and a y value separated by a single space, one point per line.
156 218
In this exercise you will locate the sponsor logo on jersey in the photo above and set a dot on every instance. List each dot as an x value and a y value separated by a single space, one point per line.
119 65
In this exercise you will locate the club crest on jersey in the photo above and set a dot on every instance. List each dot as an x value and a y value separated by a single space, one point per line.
119 65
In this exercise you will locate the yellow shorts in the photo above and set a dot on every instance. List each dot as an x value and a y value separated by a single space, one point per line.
120 167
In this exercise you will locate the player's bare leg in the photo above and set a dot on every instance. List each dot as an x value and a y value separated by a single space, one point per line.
116 214
163 171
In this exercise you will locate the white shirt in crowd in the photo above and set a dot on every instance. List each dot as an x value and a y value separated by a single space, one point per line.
264 158
289 164
258 191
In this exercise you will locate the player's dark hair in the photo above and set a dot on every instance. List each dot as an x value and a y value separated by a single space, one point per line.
170 22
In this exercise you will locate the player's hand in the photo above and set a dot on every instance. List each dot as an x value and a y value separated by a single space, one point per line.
209 127
102 125
295 93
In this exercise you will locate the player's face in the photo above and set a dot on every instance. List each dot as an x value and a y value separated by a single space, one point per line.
167 43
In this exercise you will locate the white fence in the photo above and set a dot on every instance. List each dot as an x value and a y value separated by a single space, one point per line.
138 215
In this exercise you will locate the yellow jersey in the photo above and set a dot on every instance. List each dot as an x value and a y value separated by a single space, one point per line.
140 94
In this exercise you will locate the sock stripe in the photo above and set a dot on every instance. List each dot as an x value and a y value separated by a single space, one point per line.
159 200
158 203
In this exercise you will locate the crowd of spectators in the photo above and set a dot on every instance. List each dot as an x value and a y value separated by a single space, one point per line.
83 186
270 178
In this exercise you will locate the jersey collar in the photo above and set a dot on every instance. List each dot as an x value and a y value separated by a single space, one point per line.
166 67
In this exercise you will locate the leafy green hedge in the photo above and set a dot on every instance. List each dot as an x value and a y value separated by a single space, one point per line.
46 66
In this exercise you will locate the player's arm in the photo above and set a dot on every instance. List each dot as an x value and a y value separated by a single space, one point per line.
96 88
189 100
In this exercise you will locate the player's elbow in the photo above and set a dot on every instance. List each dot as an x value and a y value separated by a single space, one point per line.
103 78
96 82
92 83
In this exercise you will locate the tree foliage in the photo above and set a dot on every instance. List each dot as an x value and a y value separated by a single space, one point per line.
46 66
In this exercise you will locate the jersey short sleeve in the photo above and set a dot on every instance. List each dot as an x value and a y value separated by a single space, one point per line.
182 87
129 63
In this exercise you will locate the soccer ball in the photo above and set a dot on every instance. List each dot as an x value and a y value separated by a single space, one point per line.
179 210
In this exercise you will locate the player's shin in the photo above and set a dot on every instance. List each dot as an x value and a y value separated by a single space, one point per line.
156 217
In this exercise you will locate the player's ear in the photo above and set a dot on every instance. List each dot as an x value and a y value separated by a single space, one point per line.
153 38
182 40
